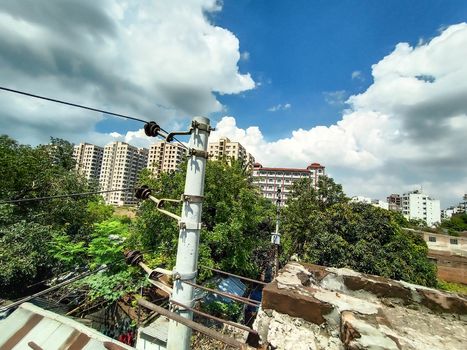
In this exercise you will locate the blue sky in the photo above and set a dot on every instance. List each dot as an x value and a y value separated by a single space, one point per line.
299 50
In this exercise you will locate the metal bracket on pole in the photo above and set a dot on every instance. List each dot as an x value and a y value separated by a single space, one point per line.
184 276
161 286
198 153
191 198
170 137
202 126
144 192
190 225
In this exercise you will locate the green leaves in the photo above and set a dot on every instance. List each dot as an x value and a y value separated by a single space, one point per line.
237 220
322 227
24 256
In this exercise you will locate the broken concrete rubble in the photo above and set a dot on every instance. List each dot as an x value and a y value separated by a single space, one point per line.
314 307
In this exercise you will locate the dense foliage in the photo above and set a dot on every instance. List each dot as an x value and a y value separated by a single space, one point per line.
321 226
455 224
237 220
40 239
30 231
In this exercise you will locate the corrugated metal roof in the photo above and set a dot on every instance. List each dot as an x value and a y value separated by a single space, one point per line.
31 327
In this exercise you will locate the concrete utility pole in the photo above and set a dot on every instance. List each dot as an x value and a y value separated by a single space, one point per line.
179 336
276 236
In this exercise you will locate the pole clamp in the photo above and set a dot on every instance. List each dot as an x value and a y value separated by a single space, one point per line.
190 225
192 198
198 153
184 276
202 126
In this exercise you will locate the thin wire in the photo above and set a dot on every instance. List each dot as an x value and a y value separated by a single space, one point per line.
181 144
73 104
83 107
62 196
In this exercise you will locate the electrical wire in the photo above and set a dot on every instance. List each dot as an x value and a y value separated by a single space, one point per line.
63 196
83 107
73 104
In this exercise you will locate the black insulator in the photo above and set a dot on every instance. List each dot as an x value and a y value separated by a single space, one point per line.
143 192
133 257
152 129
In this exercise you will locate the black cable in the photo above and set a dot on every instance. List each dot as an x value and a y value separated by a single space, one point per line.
83 107
63 196
181 144
73 104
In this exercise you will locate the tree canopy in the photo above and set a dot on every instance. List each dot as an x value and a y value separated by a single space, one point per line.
237 220
28 229
321 226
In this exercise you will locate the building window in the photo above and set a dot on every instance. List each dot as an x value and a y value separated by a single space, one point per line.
453 241
431 239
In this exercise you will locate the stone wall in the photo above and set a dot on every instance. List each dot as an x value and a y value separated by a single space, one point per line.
313 307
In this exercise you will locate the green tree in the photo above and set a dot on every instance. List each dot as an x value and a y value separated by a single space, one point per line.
455 224
322 227
32 172
236 219
23 256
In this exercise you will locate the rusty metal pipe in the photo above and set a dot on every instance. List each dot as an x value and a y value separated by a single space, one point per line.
240 299
233 324
193 325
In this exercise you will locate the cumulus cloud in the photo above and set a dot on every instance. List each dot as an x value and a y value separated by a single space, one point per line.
407 129
157 59
280 107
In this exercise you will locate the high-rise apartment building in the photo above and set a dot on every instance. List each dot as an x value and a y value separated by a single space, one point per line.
121 165
164 156
88 159
395 202
230 150
418 205
270 179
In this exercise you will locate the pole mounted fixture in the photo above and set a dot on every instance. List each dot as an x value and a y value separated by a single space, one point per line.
152 129
143 192
186 266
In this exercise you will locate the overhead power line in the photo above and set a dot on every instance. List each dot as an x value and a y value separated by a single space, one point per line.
83 107
11 201
73 104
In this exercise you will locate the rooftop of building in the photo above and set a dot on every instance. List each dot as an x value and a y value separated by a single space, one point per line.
258 166
329 308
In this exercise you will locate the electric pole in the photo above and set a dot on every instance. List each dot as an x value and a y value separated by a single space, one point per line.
276 236
186 266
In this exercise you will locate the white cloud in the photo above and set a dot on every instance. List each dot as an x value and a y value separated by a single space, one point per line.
153 59
356 74
407 129
245 56
280 107
335 97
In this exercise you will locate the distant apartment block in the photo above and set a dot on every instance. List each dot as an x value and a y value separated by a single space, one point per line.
458 209
269 180
394 202
230 150
418 205
375 202
121 165
88 159
164 156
